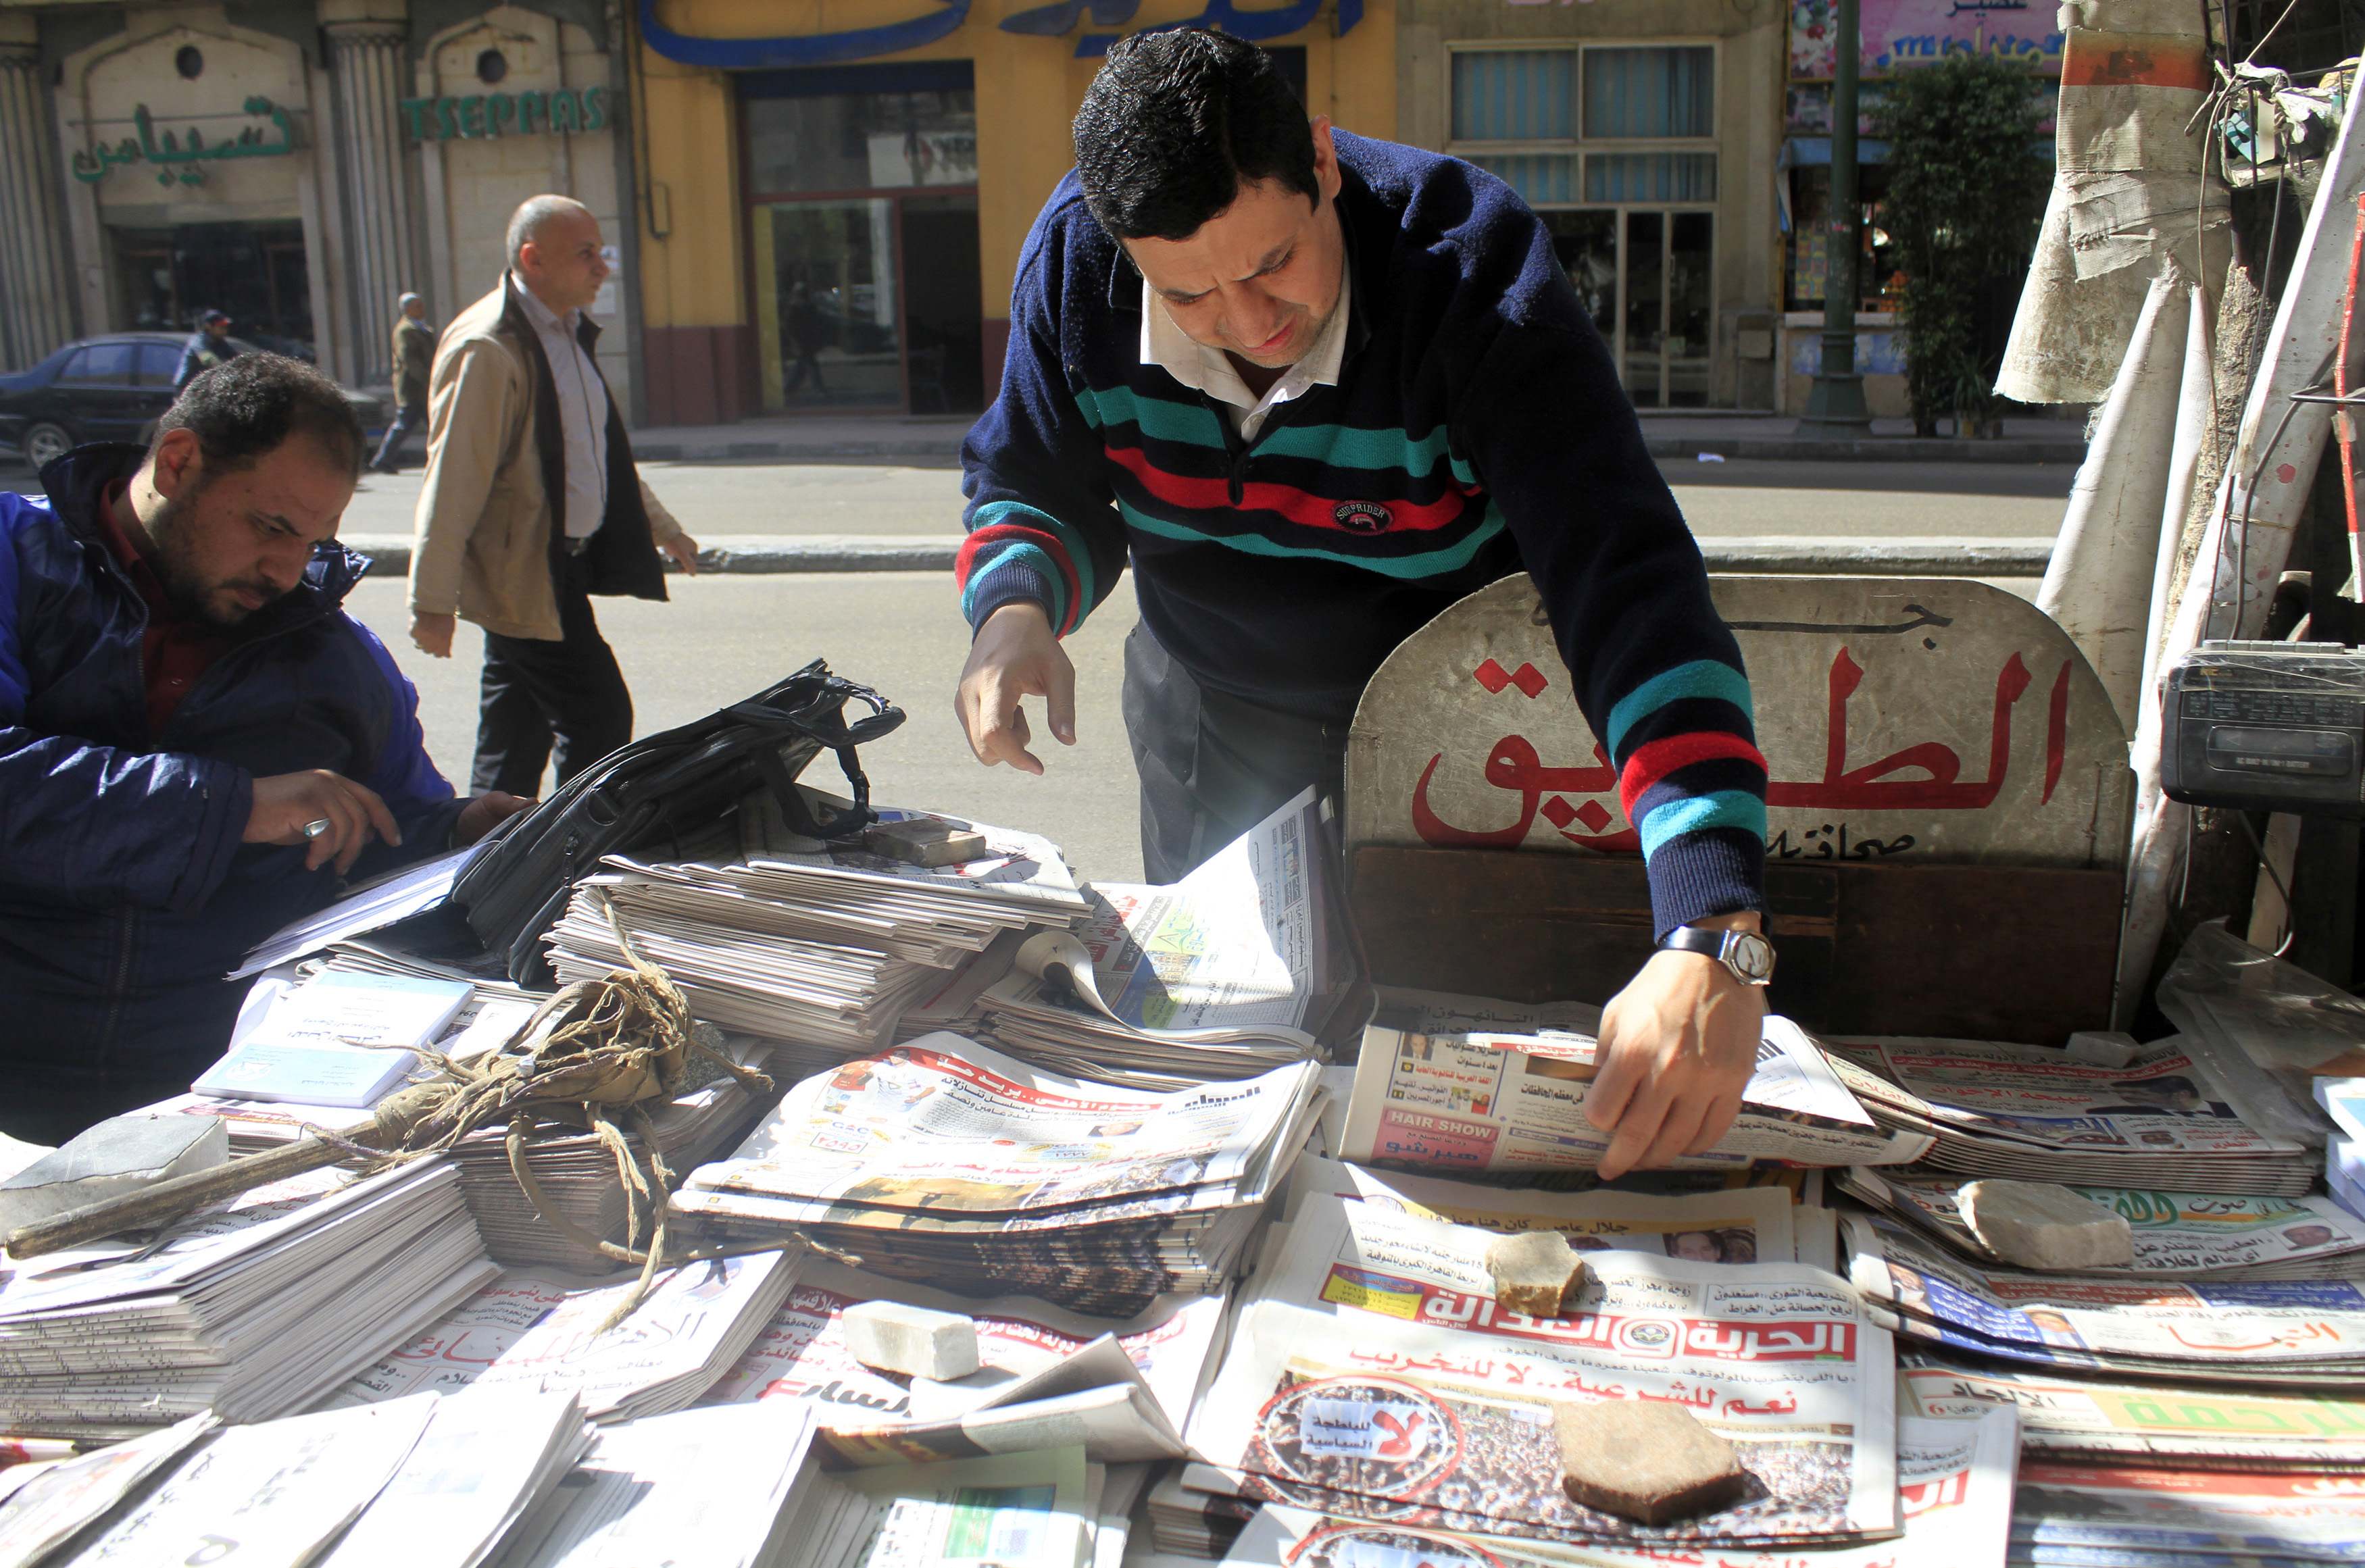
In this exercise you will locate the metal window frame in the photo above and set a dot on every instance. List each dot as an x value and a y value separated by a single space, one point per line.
1580 146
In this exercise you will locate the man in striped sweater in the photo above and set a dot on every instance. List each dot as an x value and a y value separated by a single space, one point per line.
1316 388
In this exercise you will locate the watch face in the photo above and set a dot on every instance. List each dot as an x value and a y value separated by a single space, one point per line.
1751 957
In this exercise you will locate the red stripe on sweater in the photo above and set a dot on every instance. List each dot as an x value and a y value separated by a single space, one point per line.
1300 507
965 560
1651 763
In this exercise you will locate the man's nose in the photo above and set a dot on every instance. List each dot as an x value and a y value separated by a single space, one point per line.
1255 315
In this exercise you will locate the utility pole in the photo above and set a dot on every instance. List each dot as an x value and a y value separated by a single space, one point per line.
1835 405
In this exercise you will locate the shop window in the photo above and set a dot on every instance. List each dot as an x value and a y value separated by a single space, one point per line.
1614 146
1807 259
1655 94
864 253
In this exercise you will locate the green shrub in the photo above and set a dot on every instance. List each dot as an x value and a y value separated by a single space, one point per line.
1966 194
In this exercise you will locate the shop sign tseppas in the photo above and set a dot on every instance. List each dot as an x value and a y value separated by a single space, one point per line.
487 115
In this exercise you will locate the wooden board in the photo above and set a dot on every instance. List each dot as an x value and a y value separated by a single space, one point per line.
1968 952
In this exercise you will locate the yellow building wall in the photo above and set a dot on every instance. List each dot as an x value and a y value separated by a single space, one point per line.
693 238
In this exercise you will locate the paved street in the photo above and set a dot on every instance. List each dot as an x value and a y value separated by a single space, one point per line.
723 638
1731 499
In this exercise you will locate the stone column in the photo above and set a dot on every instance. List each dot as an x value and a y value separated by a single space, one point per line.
36 277
366 60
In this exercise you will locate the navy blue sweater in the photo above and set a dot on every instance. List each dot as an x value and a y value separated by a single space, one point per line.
1477 430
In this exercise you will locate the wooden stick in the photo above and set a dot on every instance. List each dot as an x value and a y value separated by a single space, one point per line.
166 1201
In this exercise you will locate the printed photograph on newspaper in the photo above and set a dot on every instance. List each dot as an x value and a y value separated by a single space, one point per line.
1371 1374
1955 1482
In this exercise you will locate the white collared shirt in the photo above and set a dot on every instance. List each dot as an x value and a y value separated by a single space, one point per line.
1194 365
582 413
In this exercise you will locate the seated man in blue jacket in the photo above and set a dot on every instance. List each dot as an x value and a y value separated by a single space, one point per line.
197 744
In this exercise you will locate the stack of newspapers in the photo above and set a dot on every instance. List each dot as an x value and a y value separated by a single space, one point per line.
946 1162
2164 1120
1047 1376
1430 1092
1240 968
577 1173
824 946
547 1332
2293 1333
2178 1236
251 1309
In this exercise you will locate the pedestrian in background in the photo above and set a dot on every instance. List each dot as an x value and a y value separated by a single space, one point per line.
414 357
532 504
208 347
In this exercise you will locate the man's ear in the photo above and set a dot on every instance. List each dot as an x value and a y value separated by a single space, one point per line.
1326 159
176 464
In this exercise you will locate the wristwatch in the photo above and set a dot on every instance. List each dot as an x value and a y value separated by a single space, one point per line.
1749 956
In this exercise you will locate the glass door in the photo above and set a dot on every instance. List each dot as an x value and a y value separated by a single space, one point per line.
1645 275
826 304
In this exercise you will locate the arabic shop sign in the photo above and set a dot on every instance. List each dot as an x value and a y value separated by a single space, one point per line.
1933 719
1897 35
489 116
1054 21
178 157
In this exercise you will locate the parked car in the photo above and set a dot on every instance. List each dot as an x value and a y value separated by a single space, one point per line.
105 388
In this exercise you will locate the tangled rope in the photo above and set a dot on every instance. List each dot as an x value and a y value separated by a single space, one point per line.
593 1056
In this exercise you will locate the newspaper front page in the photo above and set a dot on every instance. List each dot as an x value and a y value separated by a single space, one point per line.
2176 1234
1494 1101
944 1125
2243 1332
1372 1374
1955 1482
1738 1225
2085 1419
2195 1516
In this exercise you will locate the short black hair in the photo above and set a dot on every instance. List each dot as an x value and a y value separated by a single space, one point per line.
1176 122
242 409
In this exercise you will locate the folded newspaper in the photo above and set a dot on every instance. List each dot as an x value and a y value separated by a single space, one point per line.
544 1333
945 1163
2291 1333
1241 967
1486 1100
251 1309
870 1418
2163 1120
1371 1374
2084 1419
2176 1235
1954 1487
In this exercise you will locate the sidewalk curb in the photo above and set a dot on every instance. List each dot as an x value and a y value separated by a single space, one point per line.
1754 449
1873 449
761 554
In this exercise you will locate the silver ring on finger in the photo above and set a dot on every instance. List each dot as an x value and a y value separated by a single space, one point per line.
317 827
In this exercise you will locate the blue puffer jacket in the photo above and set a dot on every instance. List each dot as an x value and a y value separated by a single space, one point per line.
126 893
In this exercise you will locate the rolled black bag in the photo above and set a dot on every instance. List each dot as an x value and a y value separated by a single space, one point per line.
668 786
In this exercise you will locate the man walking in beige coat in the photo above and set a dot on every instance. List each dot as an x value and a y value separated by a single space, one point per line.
532 504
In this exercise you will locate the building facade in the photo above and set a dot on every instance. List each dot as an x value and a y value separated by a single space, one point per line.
834 192
1644 133
297 164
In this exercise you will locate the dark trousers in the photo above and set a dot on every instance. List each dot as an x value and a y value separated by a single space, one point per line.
408 418
534 690
1212 766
